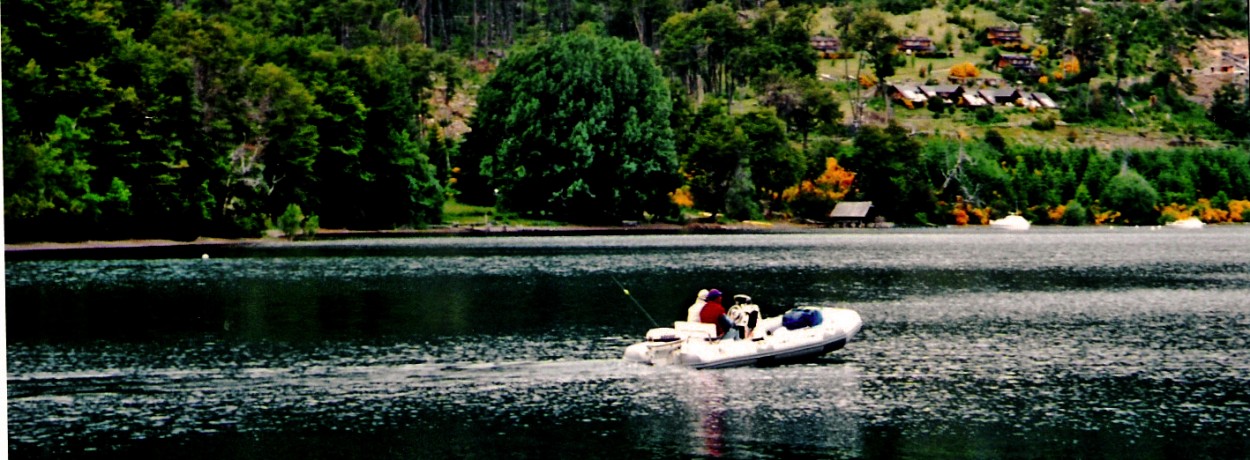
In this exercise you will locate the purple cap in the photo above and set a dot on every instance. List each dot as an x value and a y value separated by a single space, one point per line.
713 294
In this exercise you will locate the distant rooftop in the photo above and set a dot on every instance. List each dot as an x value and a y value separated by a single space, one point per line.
851 210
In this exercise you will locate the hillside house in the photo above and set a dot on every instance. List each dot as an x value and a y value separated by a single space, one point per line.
949 93
1230 63
826 46
1044 101
916 44
908 95
1004 36
972 99
1022 63
1000 96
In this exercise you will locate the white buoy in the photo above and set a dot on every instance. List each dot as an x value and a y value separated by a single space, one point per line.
204 256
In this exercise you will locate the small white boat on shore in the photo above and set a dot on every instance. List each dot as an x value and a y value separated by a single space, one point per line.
1187 223
1012 222
774 341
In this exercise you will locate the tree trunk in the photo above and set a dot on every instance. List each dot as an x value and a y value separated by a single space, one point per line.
640 23
475 36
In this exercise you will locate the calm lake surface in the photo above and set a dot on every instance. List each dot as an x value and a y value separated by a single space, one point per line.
1051 343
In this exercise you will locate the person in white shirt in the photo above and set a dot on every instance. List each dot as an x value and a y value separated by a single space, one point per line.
692 315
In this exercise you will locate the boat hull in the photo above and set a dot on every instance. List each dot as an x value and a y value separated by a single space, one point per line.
1012 222
780 346
1188 224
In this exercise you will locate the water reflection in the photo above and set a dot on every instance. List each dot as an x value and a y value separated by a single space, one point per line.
1060 343
708 403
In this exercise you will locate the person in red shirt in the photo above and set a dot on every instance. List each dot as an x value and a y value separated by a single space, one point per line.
714 313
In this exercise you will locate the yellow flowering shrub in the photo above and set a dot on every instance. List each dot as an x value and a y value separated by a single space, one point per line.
682 198
965 70
867 81
819 196
1237 210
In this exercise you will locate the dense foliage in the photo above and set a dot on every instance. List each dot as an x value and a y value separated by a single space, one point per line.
1079 186
146 118
711 50
738 164
160 118
577 129
884 162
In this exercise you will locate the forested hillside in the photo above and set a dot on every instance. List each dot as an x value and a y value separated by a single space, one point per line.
188 118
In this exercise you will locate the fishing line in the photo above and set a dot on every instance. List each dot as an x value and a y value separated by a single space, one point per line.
639 305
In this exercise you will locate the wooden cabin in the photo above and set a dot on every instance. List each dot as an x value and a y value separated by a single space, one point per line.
916 44
1230 63
1044 101
949 93
826 46
1001 96
972 99
908 95
1022 63
1004 36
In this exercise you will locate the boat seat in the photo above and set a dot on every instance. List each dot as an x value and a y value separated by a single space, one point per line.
696 329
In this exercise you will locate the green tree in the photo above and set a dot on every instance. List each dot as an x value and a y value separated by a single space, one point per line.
53 175
1133 196
563 132
697 48
995 139
1088 40
272 165
210 117
970 171
1056 19
773 163
718 150
1074 213
1230 111
638 18
1132 29
380 95
778 41
803 102
1083 105
82 105
876 43
937 105
904 6
291 221
890 173
349 22
876 40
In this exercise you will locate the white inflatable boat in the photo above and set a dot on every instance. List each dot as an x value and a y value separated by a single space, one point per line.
1187 223
1012 222
776 340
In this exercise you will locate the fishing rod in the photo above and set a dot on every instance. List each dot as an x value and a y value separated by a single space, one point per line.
639 305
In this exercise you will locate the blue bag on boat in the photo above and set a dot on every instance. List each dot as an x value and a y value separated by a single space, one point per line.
799 318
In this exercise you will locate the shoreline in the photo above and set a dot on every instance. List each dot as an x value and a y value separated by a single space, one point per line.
440 232
76 249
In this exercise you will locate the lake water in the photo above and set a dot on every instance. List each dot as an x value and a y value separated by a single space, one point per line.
1087 342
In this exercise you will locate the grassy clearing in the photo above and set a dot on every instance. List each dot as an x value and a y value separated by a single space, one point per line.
465 214
456 213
